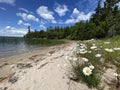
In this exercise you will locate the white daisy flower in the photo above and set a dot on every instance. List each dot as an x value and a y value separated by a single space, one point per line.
108 50
98 55
83 52
85 59
106 42
93 47
94 44
91 67
117 49
87 71
92 39
89 51
115 74
82 49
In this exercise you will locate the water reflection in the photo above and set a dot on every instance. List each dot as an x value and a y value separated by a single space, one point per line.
12 45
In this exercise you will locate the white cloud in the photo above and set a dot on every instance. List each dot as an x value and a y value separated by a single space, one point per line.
43 12
68 21
26 24
75 11
118 5
12 31
54 21
28 17
23 9
32 17
61 22
11 2
78 16
42 26
60 9
2 8
7 27
20 22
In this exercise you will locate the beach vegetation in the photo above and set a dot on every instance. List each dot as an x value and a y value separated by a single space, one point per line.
89 67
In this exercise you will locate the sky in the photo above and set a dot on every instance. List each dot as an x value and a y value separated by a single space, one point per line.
16 15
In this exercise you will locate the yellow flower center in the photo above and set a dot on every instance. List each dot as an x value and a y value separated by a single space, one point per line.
87 71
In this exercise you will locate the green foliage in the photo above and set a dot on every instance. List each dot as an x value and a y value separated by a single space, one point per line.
92 80
44 42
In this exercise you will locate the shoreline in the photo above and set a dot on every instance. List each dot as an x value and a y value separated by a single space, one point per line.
14 53
15 69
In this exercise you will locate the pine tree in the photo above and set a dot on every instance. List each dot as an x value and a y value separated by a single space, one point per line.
29 29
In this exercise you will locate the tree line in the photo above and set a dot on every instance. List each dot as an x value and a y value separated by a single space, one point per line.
105 22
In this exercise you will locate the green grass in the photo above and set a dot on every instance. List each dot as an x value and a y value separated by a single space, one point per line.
91 81
44 42
106 60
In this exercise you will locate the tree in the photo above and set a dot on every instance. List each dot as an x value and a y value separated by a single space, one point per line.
29 29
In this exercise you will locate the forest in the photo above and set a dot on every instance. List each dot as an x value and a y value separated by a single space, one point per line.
105 22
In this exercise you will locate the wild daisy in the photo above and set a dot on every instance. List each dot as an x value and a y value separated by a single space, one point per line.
85 59
115 74
83 52
91 67
116 49
98 55
93 47
87 71
94 44
108 50
82 49
89 51
106 42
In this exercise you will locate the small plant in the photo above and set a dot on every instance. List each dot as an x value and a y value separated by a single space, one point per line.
85 72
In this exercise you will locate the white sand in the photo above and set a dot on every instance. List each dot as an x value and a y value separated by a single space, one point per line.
49 72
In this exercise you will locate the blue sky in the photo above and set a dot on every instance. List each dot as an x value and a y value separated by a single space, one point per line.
16 15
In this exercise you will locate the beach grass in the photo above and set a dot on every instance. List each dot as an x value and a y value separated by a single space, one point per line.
98 54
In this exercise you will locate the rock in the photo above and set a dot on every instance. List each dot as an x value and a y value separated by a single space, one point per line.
12 66
43 65
13 79
109 77
23 66
51 52
5 88
3 65
5 73
33 57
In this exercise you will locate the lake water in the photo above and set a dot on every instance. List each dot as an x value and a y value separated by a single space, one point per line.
11 45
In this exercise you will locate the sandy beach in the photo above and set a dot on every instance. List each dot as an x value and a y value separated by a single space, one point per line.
46 70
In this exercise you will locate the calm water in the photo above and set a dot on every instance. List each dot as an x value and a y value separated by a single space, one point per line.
10 46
